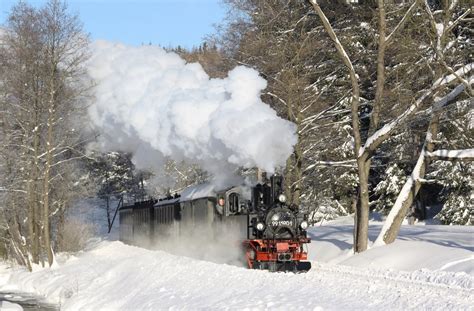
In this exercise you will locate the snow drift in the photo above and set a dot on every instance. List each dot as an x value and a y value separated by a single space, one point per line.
151 102
114 276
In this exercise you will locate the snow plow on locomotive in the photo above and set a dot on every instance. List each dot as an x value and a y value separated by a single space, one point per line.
272 233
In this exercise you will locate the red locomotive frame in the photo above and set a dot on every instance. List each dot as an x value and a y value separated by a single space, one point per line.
272 251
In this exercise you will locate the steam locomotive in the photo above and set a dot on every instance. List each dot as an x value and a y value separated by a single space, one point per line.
273 233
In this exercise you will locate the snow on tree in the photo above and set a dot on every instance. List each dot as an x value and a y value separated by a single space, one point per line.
43 102
303 87
114 173
457 194
458 71
388 188
115 176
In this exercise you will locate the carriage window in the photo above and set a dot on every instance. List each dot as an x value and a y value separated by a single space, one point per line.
234 202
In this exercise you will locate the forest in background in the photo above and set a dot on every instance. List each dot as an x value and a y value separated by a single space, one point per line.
405 68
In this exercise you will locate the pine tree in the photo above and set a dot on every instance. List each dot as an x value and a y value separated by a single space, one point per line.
388 188
458 192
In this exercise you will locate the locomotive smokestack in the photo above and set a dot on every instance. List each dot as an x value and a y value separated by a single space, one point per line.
261 175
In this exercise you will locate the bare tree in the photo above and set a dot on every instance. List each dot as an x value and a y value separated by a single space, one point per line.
364 151
278 38
42 65
441 45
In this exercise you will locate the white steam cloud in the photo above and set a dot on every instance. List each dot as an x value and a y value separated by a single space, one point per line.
152 103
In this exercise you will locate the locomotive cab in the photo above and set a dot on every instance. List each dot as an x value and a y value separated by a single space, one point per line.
230 202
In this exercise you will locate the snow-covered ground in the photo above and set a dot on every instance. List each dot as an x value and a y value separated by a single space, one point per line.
428 267
432 247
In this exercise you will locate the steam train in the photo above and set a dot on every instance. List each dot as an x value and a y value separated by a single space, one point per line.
273 233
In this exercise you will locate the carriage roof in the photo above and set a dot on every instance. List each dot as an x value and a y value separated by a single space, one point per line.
167 201
205 190
200 191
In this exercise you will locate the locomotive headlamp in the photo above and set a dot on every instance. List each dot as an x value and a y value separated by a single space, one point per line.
282 198
260 226
276 217
304 225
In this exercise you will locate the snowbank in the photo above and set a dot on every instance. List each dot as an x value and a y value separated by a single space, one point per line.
115 276
8 306
437 248
437 263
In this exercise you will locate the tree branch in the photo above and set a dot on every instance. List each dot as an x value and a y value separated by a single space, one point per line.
346 163
382 134
452 155
402 23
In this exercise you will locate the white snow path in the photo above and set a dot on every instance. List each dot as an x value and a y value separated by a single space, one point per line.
115 276
385 289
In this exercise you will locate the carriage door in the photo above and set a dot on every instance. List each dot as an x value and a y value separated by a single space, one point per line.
232 204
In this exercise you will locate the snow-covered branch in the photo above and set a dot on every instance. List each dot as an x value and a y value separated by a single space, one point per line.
462 154
353 76
308 121
459 19
402 23
67 160
412 185
382 134
458 74
347 163
441 30
444 101
404 199
427 181
278 98
461 72
12 190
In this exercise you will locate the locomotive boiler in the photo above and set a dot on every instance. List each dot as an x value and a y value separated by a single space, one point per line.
272 233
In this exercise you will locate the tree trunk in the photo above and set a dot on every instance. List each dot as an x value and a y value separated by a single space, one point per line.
296 186
47 171
33 191
298 169
60 243
380 67
410 189
361 217
19 248
294 172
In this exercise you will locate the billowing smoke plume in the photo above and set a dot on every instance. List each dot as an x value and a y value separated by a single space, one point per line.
152 103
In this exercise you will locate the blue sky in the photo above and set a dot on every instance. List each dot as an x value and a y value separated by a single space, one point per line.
164 22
